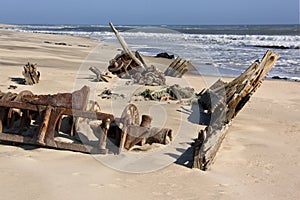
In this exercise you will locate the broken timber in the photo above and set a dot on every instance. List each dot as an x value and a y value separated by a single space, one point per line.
222 101
31 75
99 75
177 68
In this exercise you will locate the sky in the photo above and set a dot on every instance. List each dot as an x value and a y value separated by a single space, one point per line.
154 12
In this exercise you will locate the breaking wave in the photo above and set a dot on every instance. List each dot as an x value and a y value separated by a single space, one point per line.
230 49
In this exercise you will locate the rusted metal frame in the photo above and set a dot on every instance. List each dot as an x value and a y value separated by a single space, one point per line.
75 113
84 148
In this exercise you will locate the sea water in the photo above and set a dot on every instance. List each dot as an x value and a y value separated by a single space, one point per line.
213 49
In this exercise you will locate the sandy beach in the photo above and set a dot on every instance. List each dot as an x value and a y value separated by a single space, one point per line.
259 158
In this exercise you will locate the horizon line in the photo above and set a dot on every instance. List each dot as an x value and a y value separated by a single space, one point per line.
238 24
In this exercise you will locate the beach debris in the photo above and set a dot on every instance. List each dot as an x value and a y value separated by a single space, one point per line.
47 111
43 120
59 43
125 47
164 55
134 132
150 76
108 94
177 68
123 65
99 75
83 45
129 63
133 65
30 73
174 92
12 87
221 103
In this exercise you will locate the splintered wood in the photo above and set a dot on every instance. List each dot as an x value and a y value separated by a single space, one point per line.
177 68
31 75
99 75
222 102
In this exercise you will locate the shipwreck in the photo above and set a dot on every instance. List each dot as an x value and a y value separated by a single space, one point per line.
41 120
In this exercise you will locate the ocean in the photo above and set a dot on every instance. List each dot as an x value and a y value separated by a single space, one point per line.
220 50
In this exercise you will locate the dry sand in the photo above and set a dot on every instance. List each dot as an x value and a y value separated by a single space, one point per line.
259 158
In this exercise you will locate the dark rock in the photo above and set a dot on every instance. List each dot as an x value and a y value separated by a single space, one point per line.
279 78
165 55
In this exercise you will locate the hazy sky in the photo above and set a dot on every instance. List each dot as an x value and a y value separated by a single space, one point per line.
150 11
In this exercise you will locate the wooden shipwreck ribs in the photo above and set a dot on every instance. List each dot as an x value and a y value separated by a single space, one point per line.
221 102
37 119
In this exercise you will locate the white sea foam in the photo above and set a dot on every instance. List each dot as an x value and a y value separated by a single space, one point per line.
230 53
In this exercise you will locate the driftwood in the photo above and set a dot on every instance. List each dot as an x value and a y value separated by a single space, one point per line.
177 68
99 75
221 102
31 75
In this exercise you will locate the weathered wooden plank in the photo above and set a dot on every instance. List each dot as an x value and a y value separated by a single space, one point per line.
208 148
223 101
